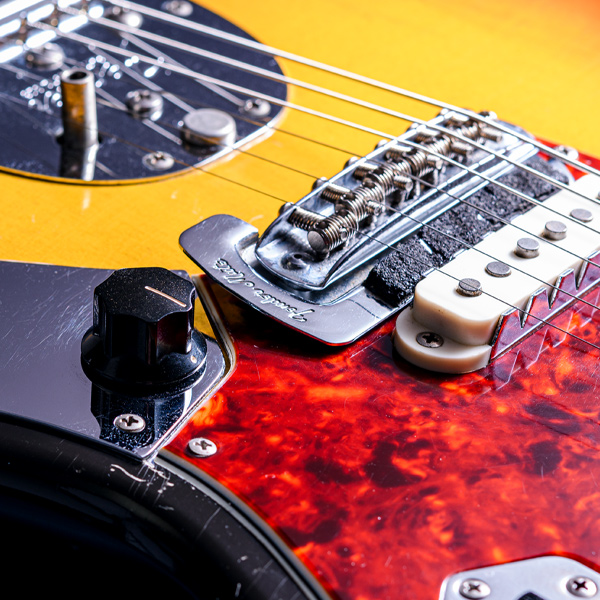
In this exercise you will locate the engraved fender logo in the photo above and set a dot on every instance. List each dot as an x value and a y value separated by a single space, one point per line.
233 277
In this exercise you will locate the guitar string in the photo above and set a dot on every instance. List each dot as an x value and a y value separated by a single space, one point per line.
404 214
124 109
309 111
397 250
312 176
279 199
246 67
461 241
269 50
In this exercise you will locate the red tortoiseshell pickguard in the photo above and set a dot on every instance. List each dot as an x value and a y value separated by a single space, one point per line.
385 478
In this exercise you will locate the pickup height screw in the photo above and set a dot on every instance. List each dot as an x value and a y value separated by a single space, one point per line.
130 423
158 161
469 287
555 230
179 8
527 248
497 269
474 589
202 447
581 214
430 339
582 587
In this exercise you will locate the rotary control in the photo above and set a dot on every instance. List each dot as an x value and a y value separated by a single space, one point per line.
143 338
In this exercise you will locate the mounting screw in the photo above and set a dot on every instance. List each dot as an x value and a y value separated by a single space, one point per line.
582 587
430 339
568 151
256 107
180 8
202 447
47 57
130 423
145 103
474 589
158 161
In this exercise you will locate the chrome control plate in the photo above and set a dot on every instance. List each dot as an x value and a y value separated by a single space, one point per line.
45 311
133 145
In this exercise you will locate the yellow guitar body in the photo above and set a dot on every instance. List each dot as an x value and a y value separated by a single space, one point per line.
534 63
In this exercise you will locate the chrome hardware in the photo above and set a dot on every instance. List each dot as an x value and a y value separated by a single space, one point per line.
180 8
362 168
334 193
547 577
208 127
309 267
46 58
126 17
45 311
130 423
38 37
144 103
474 589
79 141
582 587
158 161
80 121
429 339
257 108
202 447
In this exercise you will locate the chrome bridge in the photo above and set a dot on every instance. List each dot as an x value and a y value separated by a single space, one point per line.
309 268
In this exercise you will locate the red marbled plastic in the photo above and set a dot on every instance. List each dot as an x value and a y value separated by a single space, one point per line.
385 478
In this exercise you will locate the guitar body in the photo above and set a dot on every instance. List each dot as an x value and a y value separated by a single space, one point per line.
383 478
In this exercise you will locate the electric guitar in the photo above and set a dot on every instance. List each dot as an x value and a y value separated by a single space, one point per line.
317 430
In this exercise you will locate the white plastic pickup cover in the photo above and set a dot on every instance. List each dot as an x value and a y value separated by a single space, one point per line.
467 323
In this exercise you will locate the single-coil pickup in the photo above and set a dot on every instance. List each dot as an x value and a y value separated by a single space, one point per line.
524 273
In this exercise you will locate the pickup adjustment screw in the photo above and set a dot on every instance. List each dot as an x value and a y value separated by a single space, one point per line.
555 230
469 287
527 248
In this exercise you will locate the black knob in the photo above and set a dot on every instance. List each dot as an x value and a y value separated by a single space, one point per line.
143 336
